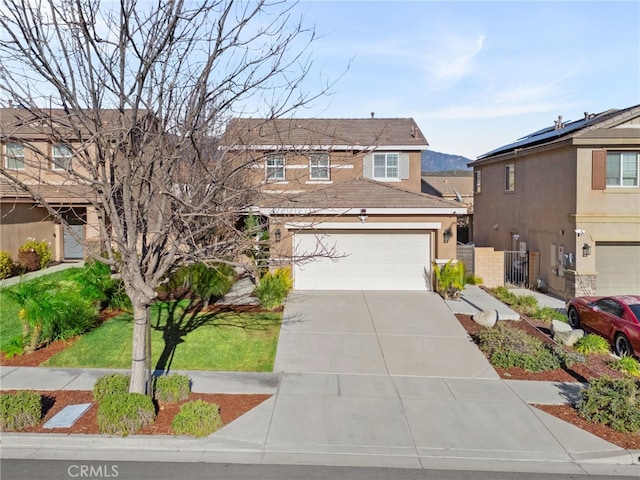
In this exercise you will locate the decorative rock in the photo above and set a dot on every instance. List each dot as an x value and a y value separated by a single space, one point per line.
486 318
558 326
568 338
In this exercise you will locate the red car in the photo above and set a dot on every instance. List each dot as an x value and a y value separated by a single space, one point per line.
616 318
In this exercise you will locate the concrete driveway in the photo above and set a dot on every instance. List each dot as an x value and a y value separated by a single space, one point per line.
399 333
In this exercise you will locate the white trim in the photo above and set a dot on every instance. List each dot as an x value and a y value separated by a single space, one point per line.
295 166
330 148
364 226
340 167
370 211
318 182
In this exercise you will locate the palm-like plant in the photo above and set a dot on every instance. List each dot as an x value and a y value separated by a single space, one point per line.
39 309
451 279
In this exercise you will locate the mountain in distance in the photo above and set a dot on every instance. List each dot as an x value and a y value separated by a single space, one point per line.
443 162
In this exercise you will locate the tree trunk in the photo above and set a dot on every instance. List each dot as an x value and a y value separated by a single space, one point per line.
139 372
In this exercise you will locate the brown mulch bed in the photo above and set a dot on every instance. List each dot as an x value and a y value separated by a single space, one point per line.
595 365
231 406
569 414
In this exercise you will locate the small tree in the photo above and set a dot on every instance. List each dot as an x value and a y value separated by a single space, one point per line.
451 278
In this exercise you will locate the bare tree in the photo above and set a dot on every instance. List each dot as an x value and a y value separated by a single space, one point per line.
140 93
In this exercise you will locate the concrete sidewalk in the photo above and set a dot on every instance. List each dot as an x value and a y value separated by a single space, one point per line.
352 420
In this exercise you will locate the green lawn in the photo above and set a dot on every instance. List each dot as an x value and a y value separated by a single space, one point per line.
180 340
9 322
228 341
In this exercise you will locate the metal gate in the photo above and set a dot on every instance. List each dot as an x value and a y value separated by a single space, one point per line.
516 269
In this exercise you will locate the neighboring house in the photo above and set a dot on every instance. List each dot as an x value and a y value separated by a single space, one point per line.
28 154
343 202
571 193
456 187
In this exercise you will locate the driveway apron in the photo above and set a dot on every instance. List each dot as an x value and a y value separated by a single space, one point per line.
398 333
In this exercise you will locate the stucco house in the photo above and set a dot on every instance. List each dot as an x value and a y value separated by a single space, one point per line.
571 193
342 200
32 157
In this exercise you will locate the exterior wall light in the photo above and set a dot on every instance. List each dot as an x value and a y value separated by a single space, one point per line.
363 215
446 235
277 234
586 250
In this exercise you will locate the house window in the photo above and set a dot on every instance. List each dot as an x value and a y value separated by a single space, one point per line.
510 178
477 181
622 169
385 165
275 168
14 156
61 157
319 166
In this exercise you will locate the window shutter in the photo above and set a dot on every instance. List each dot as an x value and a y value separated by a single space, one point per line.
367 166
599 170
404 166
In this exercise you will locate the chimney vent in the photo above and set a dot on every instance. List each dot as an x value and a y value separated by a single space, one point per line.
558 123
373 114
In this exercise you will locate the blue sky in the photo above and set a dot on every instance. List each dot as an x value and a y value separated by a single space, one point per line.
475 75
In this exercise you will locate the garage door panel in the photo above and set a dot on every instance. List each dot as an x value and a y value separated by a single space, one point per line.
366 261
617 267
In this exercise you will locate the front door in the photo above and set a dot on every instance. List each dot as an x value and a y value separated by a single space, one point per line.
74 234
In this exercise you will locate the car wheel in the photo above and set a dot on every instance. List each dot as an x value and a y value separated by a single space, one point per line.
574 318
623 346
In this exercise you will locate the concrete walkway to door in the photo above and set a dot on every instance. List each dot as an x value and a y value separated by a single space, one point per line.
400 333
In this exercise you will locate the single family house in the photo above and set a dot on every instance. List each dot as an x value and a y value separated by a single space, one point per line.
570 192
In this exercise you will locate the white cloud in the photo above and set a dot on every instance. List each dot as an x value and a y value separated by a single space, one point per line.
453 59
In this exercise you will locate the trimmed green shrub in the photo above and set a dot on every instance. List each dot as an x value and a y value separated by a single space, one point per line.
273 288
115 383
172 388
203 281
627 365
125 413
19 410
508 347
612 401
42 249
6 264
592 343
197 418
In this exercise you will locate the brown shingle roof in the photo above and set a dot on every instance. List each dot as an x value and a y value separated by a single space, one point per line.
356 193
328 132
54 194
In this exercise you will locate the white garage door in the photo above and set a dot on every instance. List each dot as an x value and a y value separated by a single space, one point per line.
617 267
374 260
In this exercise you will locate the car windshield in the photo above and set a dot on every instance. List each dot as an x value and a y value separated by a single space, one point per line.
635 308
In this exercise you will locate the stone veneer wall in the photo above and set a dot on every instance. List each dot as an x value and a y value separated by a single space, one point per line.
577 285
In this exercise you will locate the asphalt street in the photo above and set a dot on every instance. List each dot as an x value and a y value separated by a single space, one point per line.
78 469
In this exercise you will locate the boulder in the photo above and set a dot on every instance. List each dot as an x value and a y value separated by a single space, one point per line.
568 338
486 318
558 326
